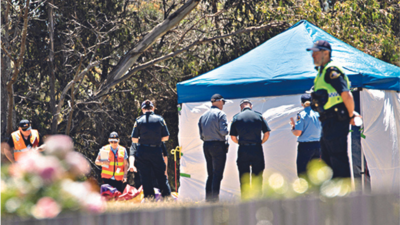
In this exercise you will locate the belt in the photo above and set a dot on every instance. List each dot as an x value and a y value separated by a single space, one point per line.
150 145
214 141
248 144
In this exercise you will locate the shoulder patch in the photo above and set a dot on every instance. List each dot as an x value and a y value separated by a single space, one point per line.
334 74
298 117
135 124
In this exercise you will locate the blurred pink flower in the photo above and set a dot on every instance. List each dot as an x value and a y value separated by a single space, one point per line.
59 145
78 165
94 203
30 162
50 169
46 207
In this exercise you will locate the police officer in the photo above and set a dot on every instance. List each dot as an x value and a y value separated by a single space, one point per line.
213 127
149 131
334 102
22 141
115 166
246 130
132 168
308 130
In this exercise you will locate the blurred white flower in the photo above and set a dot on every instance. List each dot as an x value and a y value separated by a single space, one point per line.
79 190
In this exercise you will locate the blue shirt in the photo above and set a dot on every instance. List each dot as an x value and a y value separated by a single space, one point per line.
150 128
248 125
115 153
213 125
309 125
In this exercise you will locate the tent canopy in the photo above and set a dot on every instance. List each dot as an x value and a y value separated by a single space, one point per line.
282 66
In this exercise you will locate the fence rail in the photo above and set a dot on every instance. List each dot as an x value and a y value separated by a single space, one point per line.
351 210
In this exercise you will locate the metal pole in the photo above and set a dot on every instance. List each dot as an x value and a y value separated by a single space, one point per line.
362 171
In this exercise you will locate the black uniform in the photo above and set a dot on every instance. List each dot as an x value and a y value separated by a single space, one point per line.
335 130
150 128
247 126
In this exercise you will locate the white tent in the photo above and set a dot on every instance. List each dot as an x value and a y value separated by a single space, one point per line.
273 76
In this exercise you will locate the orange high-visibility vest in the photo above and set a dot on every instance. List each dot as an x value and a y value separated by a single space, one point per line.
19 144
116 167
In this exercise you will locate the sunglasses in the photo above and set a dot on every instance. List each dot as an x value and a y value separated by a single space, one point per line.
114 142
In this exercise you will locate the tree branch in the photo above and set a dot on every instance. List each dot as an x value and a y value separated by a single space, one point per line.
127 61
198 42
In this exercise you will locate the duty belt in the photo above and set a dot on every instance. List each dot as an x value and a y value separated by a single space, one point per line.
248 144
150 145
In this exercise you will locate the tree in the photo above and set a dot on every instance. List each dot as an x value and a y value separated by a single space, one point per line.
14 51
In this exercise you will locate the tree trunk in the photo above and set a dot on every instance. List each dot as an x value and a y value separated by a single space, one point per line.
17 64
51 70
5 76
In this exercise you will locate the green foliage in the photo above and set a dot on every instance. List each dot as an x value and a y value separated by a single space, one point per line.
316 181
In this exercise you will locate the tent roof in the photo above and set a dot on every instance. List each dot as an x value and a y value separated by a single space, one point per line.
282 66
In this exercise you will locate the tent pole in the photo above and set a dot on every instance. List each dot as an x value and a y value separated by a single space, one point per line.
350 149
362 172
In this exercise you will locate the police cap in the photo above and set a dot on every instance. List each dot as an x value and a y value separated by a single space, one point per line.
246 101
320 45
217 98
25 125
305 98
114 135
147 103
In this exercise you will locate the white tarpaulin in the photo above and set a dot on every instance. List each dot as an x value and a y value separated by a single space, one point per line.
279 151
381 115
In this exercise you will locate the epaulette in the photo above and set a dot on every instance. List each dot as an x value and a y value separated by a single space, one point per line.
138 118
234 117
258 113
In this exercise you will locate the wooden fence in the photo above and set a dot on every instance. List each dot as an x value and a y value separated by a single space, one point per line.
356 209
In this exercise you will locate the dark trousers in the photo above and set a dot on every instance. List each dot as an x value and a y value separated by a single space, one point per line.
134 179
334 146
215 154
150 159
307 151
115 183
250 155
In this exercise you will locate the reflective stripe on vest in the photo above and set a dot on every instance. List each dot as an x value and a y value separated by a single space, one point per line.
115 168
22 150
319 83
19 144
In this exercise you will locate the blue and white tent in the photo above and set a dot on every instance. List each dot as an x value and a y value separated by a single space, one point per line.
273 76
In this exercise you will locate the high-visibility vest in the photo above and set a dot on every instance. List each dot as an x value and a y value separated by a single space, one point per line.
319 83
116 166
19 144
